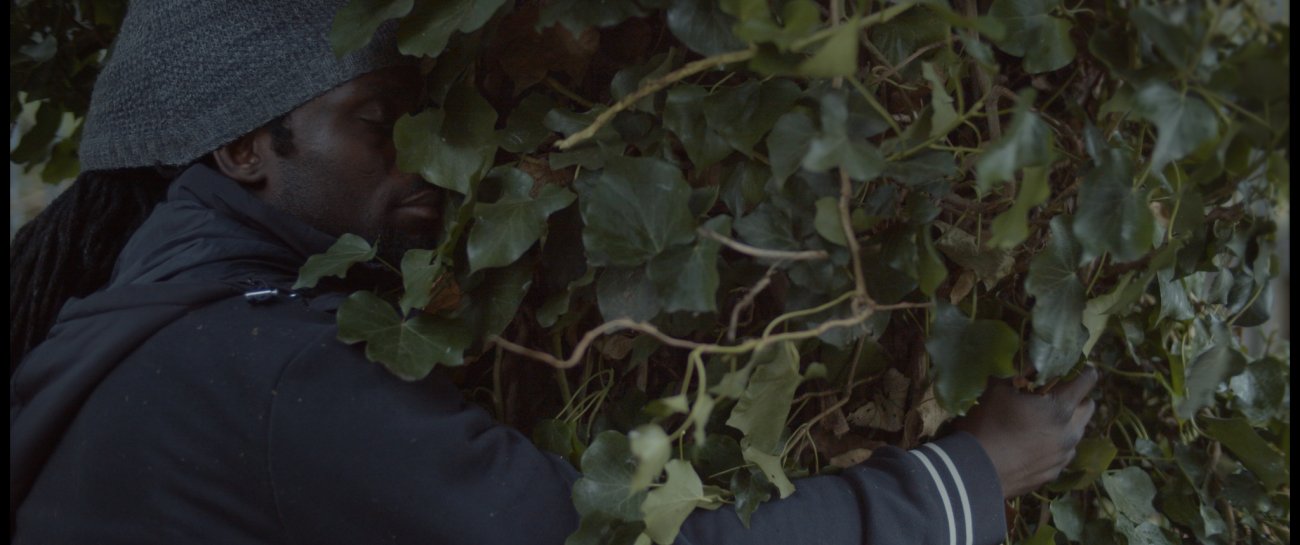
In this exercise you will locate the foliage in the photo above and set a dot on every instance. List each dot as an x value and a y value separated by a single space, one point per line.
760 239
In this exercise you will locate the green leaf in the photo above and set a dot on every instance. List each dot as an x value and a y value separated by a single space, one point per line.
1112 215
578 15
626 292
686 278
788 142
1027 142
770 465
1067 514
35 143
1210 369
1012 227
1261 458
424 33
703 27
634 210
767 227
751 488
356 22
667 506
1183 122
1045 535
608 466
418 275
836 148
1032 33
744 113
761 412
943 117
930 270
493 303
684 116
838 56
1263 391
827 220
558 436
1093 456
505 229
1131 490
966 353
901 37
1058 335
598 528
409 348
451 147
651 448
524 128
349 250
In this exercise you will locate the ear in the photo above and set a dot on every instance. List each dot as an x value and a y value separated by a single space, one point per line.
245 160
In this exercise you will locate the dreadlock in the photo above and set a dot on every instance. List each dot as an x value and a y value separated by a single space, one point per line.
69 250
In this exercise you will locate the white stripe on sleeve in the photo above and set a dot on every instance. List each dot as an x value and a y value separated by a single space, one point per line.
961 490
943 494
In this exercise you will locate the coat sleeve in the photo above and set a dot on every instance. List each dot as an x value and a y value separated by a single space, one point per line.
358 456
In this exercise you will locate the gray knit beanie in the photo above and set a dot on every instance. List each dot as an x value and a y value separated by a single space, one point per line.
187 77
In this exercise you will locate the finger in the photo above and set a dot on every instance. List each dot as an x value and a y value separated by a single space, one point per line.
1082 414
1071 393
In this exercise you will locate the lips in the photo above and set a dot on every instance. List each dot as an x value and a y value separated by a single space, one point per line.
427 197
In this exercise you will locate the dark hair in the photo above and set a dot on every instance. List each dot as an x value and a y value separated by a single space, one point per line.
69 250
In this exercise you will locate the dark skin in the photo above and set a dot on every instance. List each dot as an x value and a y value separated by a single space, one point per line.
343 178
342 175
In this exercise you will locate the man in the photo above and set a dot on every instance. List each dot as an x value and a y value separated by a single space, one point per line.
171 403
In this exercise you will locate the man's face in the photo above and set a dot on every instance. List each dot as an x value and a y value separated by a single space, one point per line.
342 174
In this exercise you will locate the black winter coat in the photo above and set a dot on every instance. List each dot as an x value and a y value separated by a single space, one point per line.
166 408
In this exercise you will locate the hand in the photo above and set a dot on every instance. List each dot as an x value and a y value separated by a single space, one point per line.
1030 437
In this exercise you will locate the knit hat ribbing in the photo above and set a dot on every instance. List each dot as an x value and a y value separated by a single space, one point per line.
185 78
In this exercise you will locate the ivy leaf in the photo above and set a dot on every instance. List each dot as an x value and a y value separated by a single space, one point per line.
418 276
838 55
827 220
408 348
703 27
1067 514
355 23
902 36
1112 215
1027 142
667 507
578 15
1262 391
1131 490
761 412
598 528
651 448
1058 335
1093 456
347 251
743 114
687 277
1210 369
834 148
1012 227
788 142
767 227
966 353
1255 453
1032 33
424 33
930 270
626 292
558 436
525 129
684 116
634 210
492 304
1183 122
505 229
770 465
751 488
451 147
608 466
943 117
